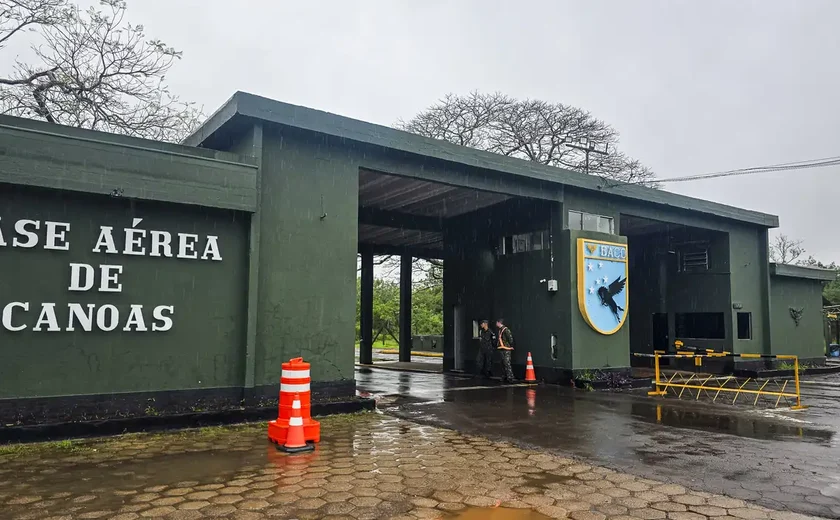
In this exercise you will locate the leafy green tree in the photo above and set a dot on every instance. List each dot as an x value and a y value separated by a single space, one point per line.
426 306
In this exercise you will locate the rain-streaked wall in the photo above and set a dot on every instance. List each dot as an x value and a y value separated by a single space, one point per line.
805 339
203 348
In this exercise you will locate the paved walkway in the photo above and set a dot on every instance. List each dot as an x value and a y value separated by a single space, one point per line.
367 466
781 459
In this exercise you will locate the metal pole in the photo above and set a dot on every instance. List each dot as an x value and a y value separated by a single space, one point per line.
656 390
588 148
796 381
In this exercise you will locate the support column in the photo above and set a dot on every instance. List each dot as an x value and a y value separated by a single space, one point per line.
250 382
366 311
405 308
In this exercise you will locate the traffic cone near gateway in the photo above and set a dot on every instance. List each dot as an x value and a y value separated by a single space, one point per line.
530 376
295 439
294 382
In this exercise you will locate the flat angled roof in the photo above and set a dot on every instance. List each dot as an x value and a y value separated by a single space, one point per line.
799 271
258 107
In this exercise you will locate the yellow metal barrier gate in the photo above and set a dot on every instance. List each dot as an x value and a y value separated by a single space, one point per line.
711 386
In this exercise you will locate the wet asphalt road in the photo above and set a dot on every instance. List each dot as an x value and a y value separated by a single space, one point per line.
777 458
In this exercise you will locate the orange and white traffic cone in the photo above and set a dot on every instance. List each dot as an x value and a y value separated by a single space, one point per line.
530 376
295 439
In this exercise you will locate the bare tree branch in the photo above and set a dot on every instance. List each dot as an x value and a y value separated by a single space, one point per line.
94 70
18 16
389 267
784 250
528 129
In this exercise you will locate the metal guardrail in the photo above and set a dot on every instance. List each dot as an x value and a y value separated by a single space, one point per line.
711 386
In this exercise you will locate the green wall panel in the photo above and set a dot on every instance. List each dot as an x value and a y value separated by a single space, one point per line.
308 247
204 347
591 349
749 261
52 156
806 339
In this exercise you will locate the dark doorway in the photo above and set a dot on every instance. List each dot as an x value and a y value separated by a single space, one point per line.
659 326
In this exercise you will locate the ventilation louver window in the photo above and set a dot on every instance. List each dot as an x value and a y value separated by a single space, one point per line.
695 260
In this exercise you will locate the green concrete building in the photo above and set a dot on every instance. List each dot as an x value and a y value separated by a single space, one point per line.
147 277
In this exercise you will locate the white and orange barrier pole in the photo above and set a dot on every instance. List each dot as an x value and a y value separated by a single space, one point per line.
294 383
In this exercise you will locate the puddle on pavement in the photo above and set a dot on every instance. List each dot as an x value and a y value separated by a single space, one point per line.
545 479
498 513
728 422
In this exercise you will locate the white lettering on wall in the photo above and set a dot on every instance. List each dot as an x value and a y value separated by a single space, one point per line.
161 244
186 245
165 321
47 317
134 239
135 319
77 313
109 278
57 236
7 316
22 231
107 318
16 316
211 249
105 278
76 276
106 240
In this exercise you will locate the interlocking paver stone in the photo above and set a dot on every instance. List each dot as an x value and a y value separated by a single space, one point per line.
366 466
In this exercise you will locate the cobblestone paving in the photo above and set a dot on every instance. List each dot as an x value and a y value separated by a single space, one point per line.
366 467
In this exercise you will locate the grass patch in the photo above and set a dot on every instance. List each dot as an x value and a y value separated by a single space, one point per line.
587 375
389 344
788 365
65 446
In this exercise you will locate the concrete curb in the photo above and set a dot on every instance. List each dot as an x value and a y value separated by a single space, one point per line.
58 431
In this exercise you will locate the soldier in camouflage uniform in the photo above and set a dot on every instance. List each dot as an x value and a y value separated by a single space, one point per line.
486 346
505 348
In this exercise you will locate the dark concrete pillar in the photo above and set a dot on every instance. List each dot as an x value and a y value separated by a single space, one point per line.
405 308
366 310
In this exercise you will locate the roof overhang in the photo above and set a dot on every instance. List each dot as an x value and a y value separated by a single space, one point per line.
292 116
798 271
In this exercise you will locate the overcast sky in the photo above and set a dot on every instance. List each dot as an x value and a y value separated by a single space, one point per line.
693 86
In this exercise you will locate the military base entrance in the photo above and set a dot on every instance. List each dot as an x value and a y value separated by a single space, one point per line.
169 277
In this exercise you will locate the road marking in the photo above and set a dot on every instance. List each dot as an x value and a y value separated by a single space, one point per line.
438 390
456 389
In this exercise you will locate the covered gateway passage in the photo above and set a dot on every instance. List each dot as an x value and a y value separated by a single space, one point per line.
414 218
